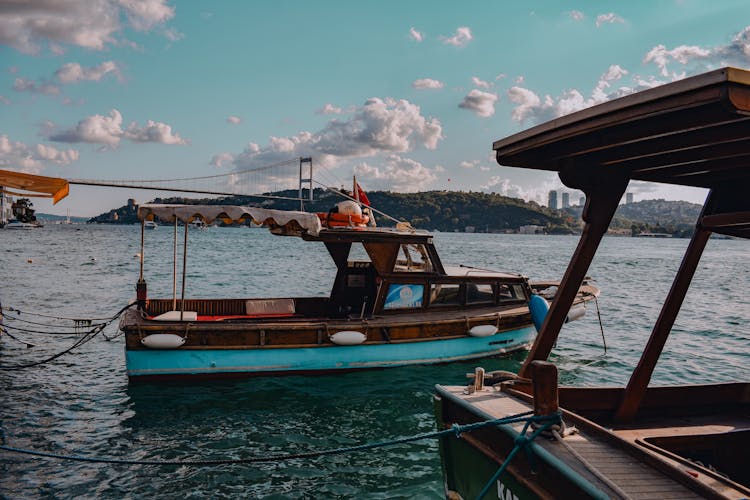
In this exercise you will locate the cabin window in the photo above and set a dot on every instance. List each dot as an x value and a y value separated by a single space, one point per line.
445 294
401 296
479 293
413 258
510 293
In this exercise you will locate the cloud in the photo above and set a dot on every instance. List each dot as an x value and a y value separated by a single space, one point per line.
469 164
380 126
396 173
481 103
610 18
529 106
75 73
329 109
157 132
480 83
415 35
91 24
4 100
26 85
17 155
107 130
576 15
695 59
538 193
221 159
234 120
461 38
427 83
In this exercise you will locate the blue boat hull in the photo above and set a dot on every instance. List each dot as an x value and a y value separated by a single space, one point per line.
172 363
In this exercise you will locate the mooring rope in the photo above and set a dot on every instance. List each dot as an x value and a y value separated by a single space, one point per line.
455 429
548 422
86 337
68 318
79 323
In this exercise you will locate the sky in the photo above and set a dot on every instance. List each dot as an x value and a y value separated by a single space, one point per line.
409 96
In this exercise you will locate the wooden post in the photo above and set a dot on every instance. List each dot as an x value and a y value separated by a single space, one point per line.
602 197
544 380
184 270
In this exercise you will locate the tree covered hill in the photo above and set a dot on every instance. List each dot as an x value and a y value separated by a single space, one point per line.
462 211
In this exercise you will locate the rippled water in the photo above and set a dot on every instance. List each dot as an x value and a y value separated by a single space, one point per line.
82 404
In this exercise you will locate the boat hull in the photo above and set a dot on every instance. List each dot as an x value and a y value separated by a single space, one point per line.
214 363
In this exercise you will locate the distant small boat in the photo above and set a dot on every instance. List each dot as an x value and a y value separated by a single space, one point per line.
17 224
149 224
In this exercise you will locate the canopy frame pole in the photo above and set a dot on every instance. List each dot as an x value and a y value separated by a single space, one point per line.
641 376
141 290
174 266
143 245
184 270
602 198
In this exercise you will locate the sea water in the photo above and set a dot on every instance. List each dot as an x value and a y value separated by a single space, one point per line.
82 404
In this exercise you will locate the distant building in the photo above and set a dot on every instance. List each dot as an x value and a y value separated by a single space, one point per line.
552 200
581 201
531 229
6 208
628 198
565 200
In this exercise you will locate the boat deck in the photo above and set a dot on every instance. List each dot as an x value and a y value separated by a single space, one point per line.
636 470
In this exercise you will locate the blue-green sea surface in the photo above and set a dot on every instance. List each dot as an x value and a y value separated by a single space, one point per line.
82 404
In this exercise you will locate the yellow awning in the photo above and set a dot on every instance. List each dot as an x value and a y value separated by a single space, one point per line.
37 186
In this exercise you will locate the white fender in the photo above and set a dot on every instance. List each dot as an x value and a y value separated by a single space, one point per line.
482 330
575 313
348 337
175 316
162 341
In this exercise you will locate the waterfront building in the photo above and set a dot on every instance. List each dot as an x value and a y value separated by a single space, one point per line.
565 200
552 203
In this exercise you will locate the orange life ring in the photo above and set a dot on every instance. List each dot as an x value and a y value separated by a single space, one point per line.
342 220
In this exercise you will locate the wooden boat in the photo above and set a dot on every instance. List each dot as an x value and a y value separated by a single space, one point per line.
399 306
690 441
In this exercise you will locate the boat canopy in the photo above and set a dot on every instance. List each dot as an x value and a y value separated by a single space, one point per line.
284 222
693 132
38 186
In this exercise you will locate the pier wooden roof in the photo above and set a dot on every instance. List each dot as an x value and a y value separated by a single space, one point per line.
693 132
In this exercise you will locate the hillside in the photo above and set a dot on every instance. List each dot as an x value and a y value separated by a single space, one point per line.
434 210
463 211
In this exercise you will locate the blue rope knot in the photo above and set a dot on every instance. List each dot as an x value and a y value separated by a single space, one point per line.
456 430
521 441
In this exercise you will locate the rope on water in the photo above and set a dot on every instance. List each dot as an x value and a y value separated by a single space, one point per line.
79 323
456 430
67 318
601 326
87 336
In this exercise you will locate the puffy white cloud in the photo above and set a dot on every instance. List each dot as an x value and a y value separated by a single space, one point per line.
234 120
538 193
379 126
329 109
469 164
415 35
157 132
696 59
396 173
92 24
427 83
107 130
529 106
480 83
481 103
576 15
19 156
461 38
4 99
222 159
26 85
610 18
74 72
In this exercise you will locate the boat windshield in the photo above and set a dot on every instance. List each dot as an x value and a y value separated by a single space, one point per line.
413 258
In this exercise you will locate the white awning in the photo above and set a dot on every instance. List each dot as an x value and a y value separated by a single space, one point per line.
285 222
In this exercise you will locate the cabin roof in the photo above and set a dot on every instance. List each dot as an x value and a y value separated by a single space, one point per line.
693 132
